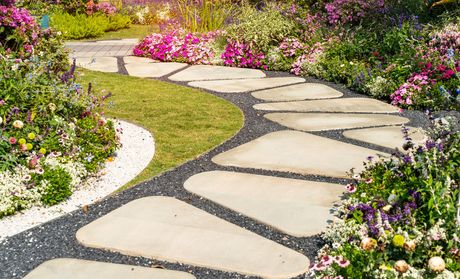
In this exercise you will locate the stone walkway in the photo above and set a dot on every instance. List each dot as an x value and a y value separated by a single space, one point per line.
278 179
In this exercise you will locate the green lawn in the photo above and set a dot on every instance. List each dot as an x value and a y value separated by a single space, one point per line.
185 122
135 31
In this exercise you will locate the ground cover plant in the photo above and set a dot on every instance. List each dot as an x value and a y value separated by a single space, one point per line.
185 122
404 52
401 216
52 133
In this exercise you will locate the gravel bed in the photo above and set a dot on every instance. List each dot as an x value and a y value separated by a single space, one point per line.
21 253
135 153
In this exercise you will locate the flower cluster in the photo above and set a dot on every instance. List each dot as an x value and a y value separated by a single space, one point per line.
244 55
178 46
401 217
346 11
18 31
103 7
415 85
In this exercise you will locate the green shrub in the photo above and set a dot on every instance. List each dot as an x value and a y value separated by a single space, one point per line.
57 187
81 26
266 28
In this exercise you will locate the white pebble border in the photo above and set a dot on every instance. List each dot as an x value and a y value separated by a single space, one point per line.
136 152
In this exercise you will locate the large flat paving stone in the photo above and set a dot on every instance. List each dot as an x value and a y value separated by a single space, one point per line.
135 59
297 152
153 70
168 229
304 91
333 121
391 137
245 85
296 207
363 105
209 72
82 269
101 64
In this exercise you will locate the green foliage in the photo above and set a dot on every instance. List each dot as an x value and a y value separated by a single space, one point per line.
97 141
81 26
266 28
57 187
207 15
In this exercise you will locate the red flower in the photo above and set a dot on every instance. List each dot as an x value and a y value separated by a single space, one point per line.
13 140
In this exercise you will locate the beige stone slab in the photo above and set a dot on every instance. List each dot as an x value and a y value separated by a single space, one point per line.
391 137
168 229
304 91
135 59
296 207
333 121
101 64
210 72
82 269
297 152
245 85
363 105
153 70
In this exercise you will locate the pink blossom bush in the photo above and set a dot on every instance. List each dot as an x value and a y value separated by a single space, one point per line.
178 46
415 85
103 7
310 57
243 55
19 32
347 11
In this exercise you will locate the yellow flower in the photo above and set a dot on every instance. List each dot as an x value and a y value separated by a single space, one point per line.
22 141
31 136
42 151
29 146
399 240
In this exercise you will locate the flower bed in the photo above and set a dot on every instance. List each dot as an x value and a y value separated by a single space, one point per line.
52 133
389 50
401 217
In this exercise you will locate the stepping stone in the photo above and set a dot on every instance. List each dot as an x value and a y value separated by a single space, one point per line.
304 91
296 207
135 59
245 85
391 137
297 152
153 70
101 64
168 229
335 105
333 121
82 269
209 72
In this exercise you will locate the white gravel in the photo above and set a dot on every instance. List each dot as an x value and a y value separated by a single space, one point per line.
136 152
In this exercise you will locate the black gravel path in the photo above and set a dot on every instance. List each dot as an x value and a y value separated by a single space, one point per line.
23 252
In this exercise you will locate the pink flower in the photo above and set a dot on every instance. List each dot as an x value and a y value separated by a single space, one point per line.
12 140
351 188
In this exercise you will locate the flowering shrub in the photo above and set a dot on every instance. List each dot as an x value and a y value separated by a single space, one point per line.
243 55
401 218
103 7
178 46
347 11
18 31
52 134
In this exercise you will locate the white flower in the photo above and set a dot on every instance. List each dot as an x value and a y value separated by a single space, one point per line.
436 264
18 124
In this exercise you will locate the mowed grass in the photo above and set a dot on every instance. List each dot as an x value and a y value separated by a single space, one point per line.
185 122
135 31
